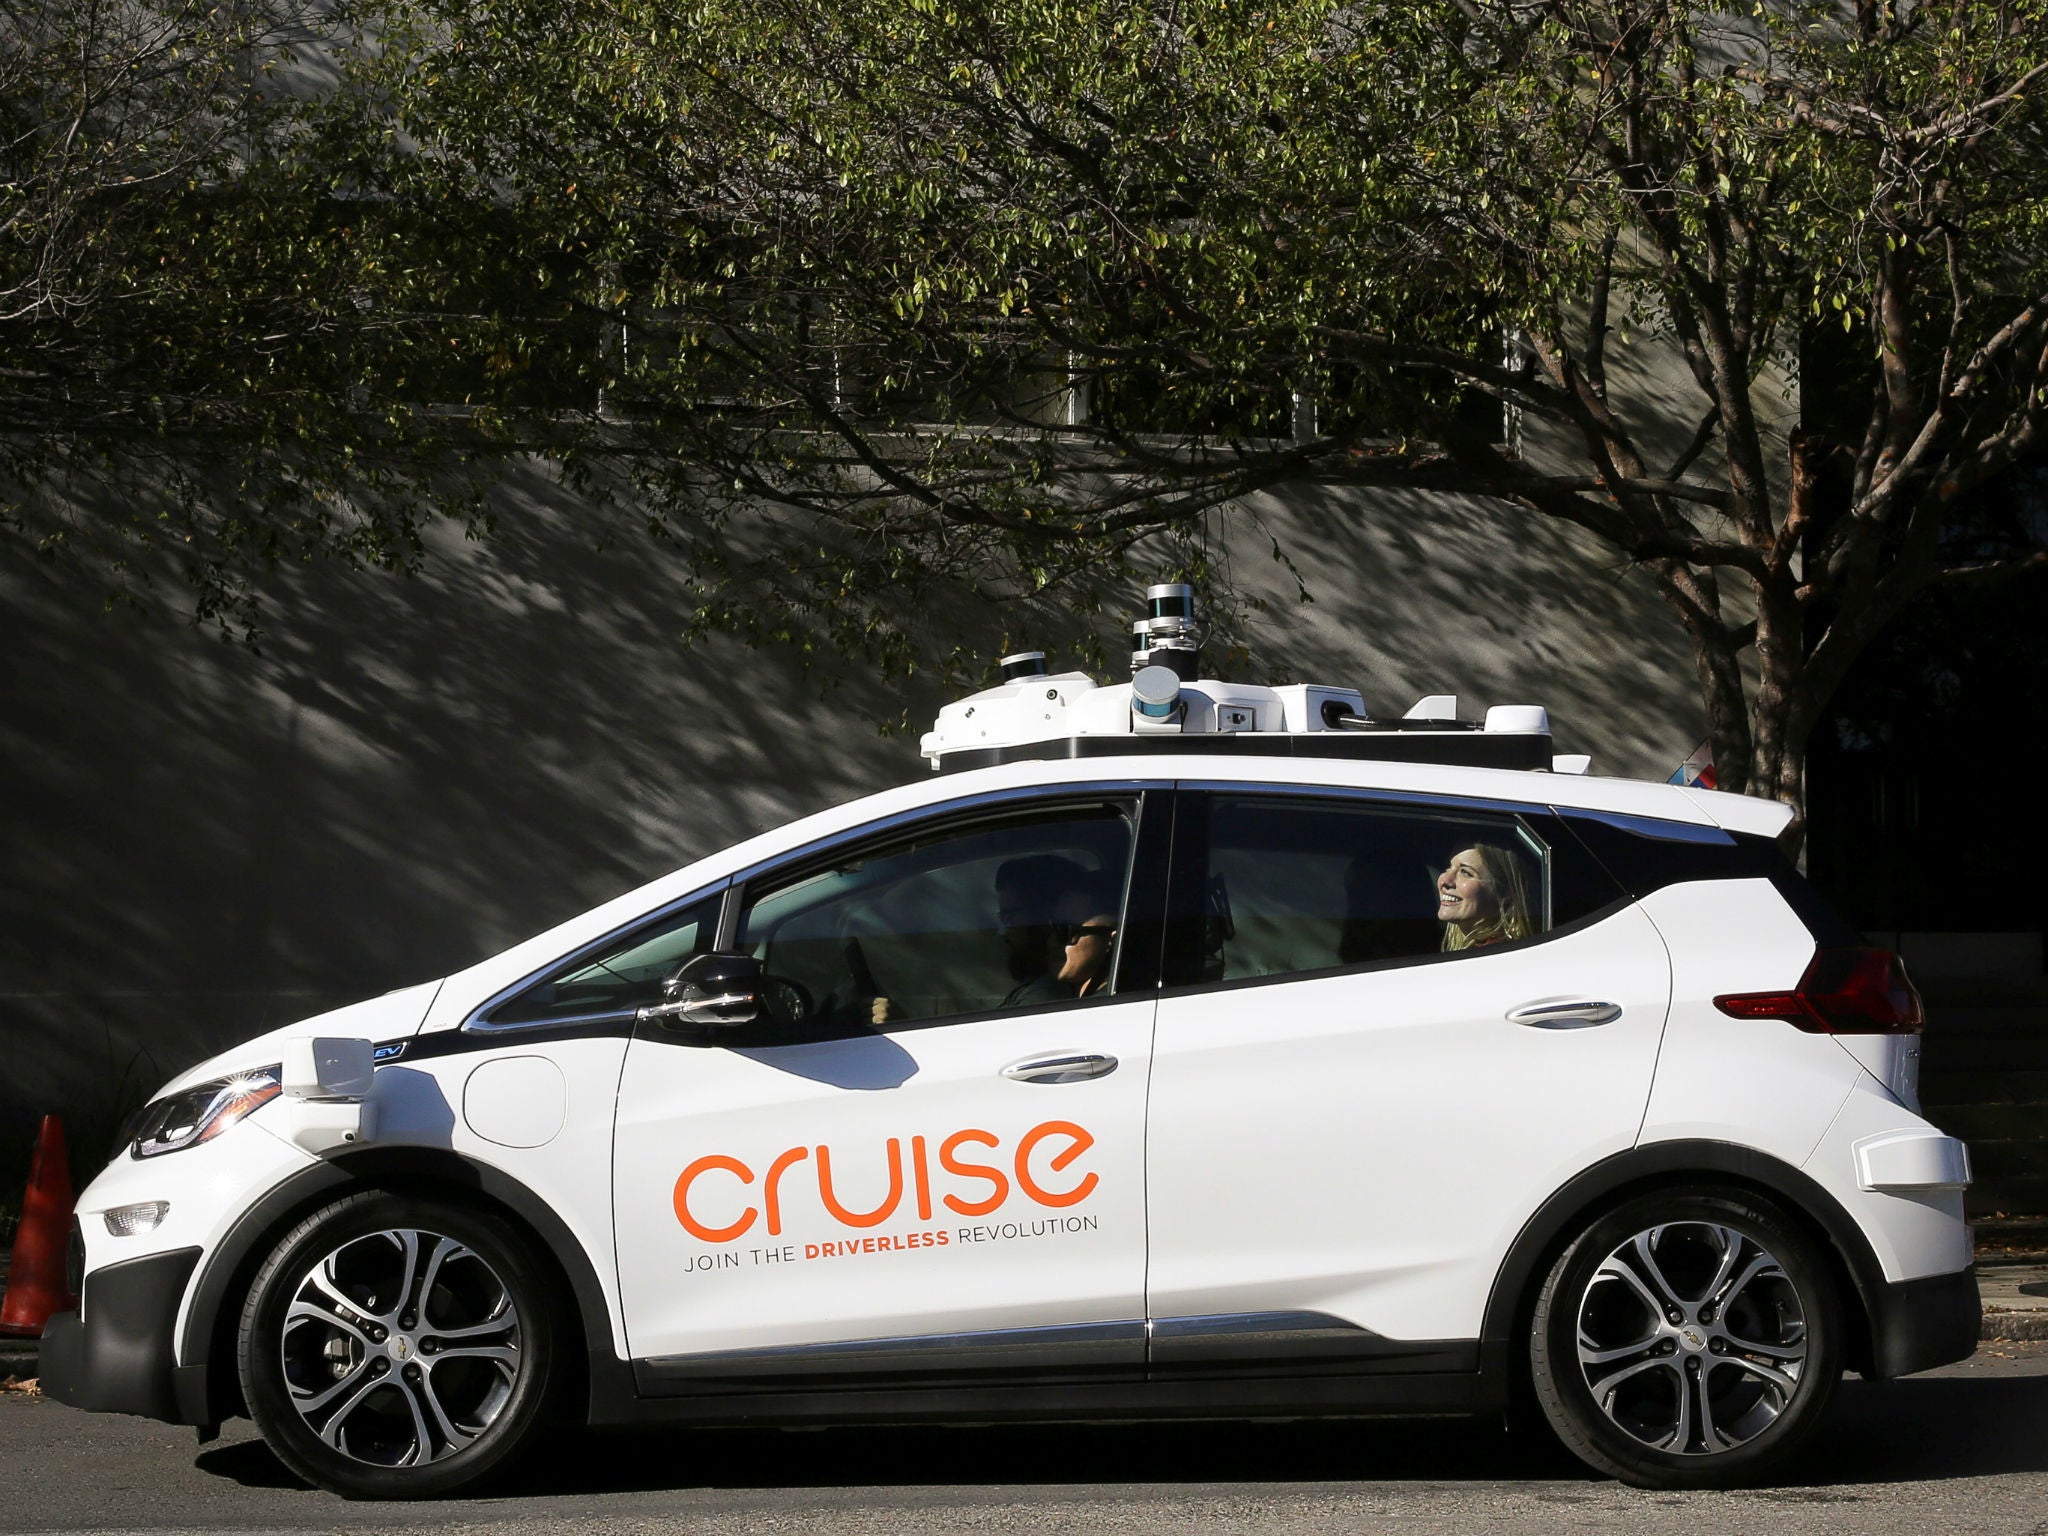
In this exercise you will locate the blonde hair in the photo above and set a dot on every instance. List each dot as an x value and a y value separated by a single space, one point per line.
1506 878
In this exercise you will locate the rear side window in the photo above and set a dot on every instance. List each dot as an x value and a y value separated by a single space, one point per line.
1275 885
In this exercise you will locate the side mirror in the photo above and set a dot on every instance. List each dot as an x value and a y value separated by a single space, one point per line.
711 991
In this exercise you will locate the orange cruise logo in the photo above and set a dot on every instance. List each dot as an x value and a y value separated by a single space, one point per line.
976 1188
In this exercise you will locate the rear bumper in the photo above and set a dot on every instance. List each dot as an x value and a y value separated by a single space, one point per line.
1916 1325
116 1354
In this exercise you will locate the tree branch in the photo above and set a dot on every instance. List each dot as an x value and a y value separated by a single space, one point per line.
1992 573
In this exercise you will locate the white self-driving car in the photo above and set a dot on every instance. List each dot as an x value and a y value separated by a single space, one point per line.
1181 1049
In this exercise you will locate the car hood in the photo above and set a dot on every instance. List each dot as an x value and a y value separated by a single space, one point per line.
375 1018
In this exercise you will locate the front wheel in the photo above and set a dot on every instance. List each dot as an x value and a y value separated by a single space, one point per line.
1688 1339
398 1348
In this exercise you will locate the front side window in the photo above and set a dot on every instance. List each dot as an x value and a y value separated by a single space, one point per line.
620 976
1289 884
1016 910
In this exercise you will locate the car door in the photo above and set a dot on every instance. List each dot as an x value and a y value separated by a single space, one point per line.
1350 1123
930 1160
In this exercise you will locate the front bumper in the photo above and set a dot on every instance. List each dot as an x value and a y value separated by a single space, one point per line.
1916 1325
117 1353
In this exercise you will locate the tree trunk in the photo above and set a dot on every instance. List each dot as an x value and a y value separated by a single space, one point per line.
1695 595
1782 717
1759 746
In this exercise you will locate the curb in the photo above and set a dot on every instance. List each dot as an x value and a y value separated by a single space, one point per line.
2014 1327
18 1356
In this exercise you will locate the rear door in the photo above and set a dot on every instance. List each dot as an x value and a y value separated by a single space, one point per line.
1349 1122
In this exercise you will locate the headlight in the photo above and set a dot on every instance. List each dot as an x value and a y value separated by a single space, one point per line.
204 1110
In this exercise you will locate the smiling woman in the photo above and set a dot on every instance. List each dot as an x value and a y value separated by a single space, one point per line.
1482 897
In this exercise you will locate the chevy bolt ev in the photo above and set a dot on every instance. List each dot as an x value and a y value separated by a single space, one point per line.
1181 1049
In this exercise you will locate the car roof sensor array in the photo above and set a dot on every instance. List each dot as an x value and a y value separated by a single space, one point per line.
1168 706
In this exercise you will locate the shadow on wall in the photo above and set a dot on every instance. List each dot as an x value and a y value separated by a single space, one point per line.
205 840
1418 594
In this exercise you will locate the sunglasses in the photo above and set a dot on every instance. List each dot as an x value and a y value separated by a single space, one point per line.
1073 933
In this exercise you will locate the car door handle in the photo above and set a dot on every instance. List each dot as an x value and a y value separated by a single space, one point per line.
1564 1013
1059 1069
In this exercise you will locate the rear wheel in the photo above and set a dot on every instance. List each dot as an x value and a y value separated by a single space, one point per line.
1688 1339
398 1348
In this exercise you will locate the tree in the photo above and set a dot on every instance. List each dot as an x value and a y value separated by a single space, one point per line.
1016 284
192 358
866 297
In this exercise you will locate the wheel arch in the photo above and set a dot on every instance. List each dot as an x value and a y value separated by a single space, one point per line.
1663 1165
206 1381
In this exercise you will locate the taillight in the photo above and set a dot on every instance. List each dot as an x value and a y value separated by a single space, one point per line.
1844 992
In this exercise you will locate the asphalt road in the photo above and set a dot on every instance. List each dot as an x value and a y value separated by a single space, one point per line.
1960 1450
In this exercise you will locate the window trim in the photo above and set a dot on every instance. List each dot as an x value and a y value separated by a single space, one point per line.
479 1021
1656 829
1424 798
1184 875
1142 794
1079 789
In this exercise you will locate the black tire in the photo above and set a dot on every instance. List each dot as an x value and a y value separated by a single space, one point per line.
458 1356
1724 1380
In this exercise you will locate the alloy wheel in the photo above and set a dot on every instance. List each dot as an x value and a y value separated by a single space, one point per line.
400 1347
1692 1339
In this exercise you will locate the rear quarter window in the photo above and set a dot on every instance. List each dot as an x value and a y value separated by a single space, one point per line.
1642 856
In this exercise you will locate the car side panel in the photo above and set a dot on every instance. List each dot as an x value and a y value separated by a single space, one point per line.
1368 1145
1914 1232
1757 1083
486 1092
874 1188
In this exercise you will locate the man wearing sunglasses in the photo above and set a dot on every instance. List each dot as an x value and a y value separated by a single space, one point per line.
1058 926
1085 918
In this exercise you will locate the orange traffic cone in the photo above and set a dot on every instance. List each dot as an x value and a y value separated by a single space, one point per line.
36 1286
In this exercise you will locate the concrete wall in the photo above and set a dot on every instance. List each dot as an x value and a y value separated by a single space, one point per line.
203 840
